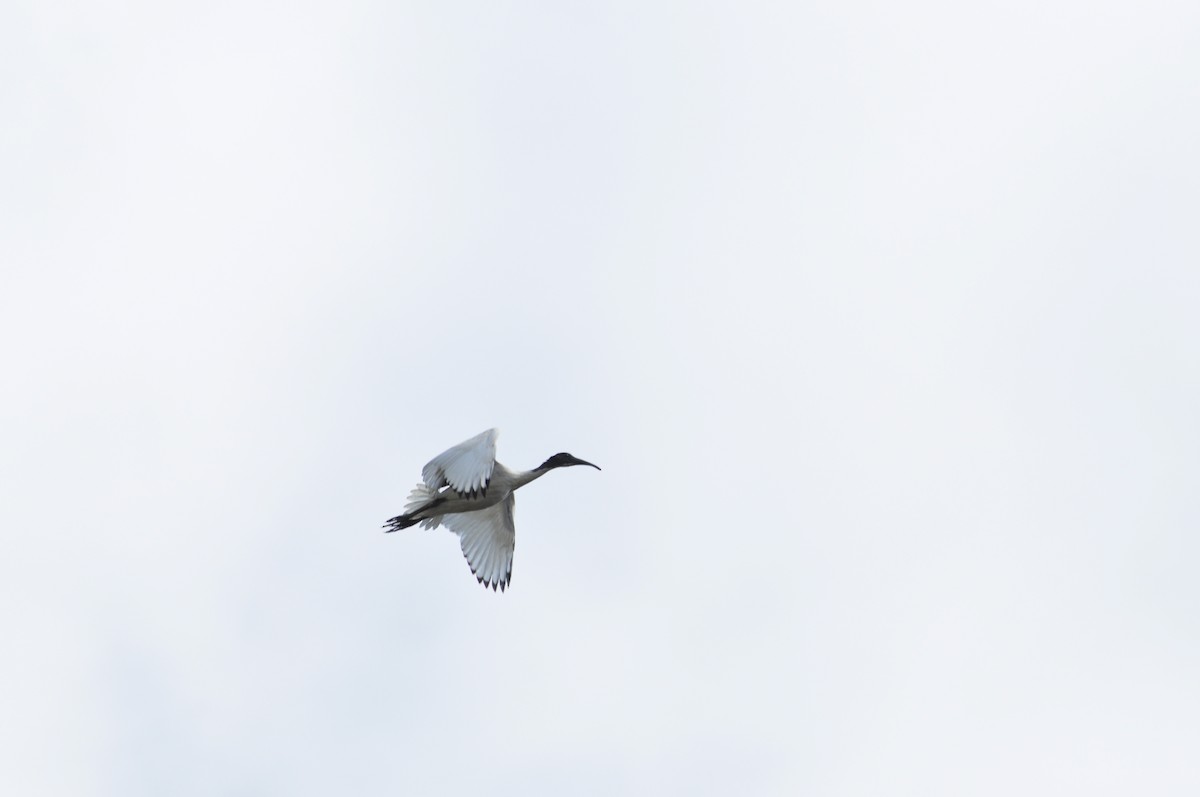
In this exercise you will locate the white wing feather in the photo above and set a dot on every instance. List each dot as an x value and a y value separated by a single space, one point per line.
488 538
467 467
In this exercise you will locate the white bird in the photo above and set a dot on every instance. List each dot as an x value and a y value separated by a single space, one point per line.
466 490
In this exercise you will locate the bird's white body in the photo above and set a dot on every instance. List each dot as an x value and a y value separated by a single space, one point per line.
499 488
466 490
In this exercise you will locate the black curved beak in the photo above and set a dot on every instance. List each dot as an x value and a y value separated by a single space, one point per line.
578 461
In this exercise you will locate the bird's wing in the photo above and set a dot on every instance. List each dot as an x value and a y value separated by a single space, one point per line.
467 467
488 538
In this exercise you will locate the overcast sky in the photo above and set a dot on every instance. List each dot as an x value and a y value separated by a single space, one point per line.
883 321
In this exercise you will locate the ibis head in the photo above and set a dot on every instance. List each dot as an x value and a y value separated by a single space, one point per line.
564 460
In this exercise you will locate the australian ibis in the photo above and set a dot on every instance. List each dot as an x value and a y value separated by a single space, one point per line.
466 490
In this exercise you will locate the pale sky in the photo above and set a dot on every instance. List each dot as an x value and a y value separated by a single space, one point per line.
883 321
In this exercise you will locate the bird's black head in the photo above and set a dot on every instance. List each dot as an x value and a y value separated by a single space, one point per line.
564 460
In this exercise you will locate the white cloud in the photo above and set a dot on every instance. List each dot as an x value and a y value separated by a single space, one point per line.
879 321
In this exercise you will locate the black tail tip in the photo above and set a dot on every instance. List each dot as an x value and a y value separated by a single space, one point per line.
399 522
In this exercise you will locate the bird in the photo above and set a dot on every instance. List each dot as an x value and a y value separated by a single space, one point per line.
466 490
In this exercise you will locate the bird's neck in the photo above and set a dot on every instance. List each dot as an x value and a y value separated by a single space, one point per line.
525 477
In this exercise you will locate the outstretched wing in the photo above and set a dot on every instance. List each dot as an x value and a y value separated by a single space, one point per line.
488 538
467 467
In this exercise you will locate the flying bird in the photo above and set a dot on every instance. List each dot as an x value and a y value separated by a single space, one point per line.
466 490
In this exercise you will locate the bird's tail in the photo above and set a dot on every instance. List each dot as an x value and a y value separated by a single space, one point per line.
422 499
